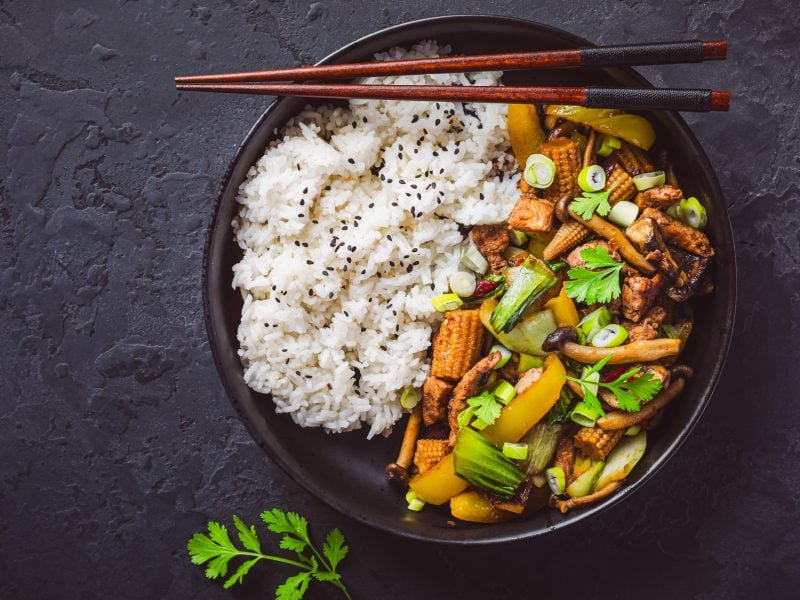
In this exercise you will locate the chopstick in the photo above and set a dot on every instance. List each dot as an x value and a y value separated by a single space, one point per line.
657 53
699 100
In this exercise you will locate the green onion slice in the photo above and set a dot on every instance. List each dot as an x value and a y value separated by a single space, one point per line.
594 322
623 213
505 355
691 212
556 480
515 451
584 415
444 302
645 181
517 238
504 392
608 144
539 171
472 259
410 397
415 503
463 284
592 178
610 336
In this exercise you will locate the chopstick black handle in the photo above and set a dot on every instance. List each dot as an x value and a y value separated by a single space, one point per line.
657 53
657 99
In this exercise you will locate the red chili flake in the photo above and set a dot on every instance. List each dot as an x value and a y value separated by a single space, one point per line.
484 287
613 374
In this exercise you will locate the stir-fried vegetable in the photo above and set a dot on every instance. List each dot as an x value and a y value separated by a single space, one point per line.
622 459
528 281
505 354
592 178
410 397
541 441
585 484
631 128
462 283
610 336
480 463
691 212
524 131
584 415
608 144
563 309
630 389
556 480
475 507
623 213
515 451
645 181
504 392
444 302
590 202
594 322
540 171
598 281
529 333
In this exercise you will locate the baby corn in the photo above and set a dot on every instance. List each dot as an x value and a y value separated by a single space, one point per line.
457 344
566 155
595 442
429 452
633 160
567 237
623 185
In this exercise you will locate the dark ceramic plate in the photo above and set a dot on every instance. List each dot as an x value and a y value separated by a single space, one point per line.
345 470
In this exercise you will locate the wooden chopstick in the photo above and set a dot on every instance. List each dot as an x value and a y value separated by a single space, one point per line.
657 53
596 97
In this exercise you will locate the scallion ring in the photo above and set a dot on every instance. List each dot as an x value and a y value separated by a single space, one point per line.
504 392
584 415
594 322
463 284
610 336
505 355
645 181
539 171
608 144
623 213
691 212
415 503
444 302
514 451
556 480
592 178
410 397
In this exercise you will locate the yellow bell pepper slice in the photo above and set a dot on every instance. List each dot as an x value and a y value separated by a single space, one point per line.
440 483
474 507
524 131
631 128
563 309
528 408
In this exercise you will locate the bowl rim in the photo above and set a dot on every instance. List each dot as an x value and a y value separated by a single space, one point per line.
493 536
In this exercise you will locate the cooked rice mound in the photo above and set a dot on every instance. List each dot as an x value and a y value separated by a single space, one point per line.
349 224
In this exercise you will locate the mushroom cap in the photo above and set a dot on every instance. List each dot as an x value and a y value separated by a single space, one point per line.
397 476
559 337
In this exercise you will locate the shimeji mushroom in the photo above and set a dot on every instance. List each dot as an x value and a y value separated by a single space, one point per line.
565 340
397 472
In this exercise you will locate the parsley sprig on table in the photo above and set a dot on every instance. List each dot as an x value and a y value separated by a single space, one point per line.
598 281
217 549
629 390
588 203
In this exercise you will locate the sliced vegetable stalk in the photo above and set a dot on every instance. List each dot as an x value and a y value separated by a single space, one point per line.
484 466
610 336
505 355
472 259
541 440
528 281
540 170
586 483
623 213
556 480
528 335
445 302
645 181
621 460
515 450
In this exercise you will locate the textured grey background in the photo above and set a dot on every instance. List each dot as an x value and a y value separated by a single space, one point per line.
117 439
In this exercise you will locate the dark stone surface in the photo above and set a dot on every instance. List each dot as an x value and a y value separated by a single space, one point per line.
117 439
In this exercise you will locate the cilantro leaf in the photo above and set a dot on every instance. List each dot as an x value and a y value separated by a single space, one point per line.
487 408
293 588
599 285
588 203
216 550
334 548
630 389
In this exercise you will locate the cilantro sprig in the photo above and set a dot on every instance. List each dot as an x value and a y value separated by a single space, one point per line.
217 550
630 389
598 281
588 203
484 407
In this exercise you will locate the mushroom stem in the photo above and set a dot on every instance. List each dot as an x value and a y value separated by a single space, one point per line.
397 472
565 505
588 154
638 351
622 420
605 229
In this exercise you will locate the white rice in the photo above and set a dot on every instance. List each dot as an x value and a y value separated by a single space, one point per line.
349 225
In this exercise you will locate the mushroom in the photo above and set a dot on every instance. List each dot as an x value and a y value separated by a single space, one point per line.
562 208
646 236
397 472
564 340
684 371
565 505
605 229
656 370
589 153
622 420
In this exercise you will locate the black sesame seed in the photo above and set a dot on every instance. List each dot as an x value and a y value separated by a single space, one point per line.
305 190
415 118
409 268
437 121
480 195
310 292
371 205
330 295
325 273
456 151
296 243
309 262
305 244
389 237
301 215
351 161
302 202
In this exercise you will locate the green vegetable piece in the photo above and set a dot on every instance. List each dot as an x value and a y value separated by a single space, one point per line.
630 389
486 408
505 392
592 178
415 503
528 281
516 451
594 322
584 415
410 397
561 409
608 144
588 203
216 550
445 302
610 336
484 466
556 480
540 171
622 459
623 213
505 355
598 281
541 440
585 484
517 238
633 430
691 212
526 361
472 259
645 181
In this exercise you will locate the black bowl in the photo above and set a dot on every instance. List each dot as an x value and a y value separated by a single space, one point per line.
345 470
